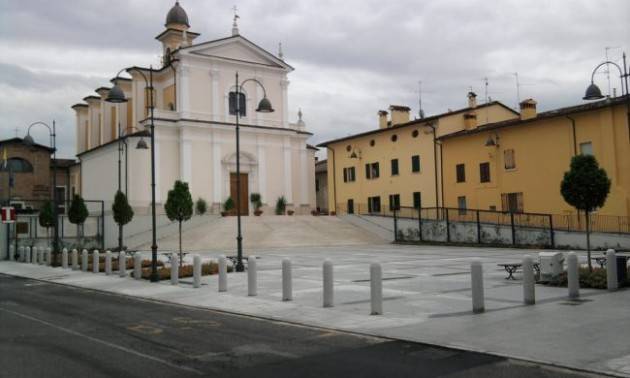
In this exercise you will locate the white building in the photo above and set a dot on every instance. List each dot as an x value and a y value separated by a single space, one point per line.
194 113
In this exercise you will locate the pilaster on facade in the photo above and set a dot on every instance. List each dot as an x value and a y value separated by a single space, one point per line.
288 176
284 85
183 89
215 76
262 172
185 156
304 187
216 170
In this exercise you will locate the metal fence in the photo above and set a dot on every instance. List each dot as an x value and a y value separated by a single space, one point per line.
27 231
484 226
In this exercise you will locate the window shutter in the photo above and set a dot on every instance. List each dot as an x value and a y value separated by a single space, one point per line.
367 171
504 202
345 175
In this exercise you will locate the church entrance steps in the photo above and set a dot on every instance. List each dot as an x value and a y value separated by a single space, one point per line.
270 231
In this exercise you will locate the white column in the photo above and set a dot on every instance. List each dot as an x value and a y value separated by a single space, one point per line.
222 273
284 84
573 276
611 270
262 172
216 169
183 105
288 171
376 289
529 282
476 270
216 98
304 189
252 278
185 155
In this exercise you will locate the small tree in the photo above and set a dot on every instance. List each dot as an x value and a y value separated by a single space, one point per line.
77 214
256 200
281 205
123 214
201 206
228 205
46 217
585 186
179 207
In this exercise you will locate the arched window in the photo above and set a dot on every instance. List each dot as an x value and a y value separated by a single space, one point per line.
242 104
18 165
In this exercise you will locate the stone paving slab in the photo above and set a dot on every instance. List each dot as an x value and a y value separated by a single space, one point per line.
426 299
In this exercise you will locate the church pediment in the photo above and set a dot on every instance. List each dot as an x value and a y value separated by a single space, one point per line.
237 48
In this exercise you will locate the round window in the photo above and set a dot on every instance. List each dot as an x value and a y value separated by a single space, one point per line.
394 138
415 133
348 148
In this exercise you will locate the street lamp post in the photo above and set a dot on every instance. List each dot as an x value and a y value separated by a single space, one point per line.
594 93
116 95
264 106
28 140
122 143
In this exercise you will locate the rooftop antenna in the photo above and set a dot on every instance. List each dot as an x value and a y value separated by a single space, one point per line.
518 90
608 48
485 80
234 24
280 53
420 111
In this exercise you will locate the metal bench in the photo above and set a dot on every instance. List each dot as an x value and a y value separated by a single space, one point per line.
512 268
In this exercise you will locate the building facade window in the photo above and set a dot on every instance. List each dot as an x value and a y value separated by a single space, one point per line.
512 202
417 200
509 159
350 206
372 171
415 163
394 167
242 103
374 204
586 148
394 202
17 165
460 172
394 138
349 174
461 204
484 172
414 133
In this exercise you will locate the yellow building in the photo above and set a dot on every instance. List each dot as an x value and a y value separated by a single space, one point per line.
517 165
398 163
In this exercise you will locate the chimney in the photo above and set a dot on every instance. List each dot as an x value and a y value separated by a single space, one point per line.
528 109
470 120
400 114
382 119
472 99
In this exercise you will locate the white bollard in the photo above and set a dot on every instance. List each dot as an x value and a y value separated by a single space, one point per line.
174 269
64 258
75 259
34 255
27 255
122 264
252 277
84 260
529 282
96 261
137 265
108 262
49 256
328 283
41 255
573 276
476 274
21 254
287 284
222 274
376 288
11 253
611 269
196 271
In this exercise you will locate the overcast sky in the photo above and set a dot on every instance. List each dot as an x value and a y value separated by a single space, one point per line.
352 58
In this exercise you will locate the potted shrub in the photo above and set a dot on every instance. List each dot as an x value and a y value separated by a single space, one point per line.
228 206
256 201
281 205
201 206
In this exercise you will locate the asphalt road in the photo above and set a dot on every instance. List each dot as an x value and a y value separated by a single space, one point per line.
49 330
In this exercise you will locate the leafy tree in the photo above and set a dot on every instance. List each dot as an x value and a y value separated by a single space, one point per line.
179 207
47 217
77 214
256 200
585 186
281 205
123 214
228 205
201 206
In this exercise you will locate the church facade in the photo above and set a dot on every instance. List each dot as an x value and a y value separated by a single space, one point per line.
194 107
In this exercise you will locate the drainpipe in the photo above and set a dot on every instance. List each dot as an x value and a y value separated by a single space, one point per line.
574 137
442 174
334 178
435 167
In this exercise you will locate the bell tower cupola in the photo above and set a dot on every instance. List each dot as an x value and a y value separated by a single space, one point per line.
176 34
